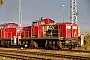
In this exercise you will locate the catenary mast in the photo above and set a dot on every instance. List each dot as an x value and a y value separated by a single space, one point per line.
20 14
73 11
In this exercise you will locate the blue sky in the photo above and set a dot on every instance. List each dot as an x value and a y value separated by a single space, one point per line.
34 9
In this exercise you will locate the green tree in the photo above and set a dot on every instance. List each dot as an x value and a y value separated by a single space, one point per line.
1 2
87 39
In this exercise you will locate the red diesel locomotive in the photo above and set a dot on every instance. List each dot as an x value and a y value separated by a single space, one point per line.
42 33
9 31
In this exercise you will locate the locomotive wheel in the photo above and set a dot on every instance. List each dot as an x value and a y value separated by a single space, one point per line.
70 47
55 45
33 44
47 45
59 45
7 43
51 45
22 43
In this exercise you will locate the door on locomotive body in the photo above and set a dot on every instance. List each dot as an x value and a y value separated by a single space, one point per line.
62 30
35 29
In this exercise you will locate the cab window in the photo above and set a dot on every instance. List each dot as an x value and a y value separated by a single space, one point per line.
8 25
14 26
1 26
42 22
51 22
35 23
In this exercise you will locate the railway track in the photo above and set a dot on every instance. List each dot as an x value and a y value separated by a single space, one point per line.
26 54
70 50
68 56
41 56
22 56
66 50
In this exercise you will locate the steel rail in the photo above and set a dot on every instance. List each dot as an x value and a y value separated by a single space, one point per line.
45 54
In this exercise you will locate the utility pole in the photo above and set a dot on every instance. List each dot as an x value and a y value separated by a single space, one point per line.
73 11
20 20
20 14
63 13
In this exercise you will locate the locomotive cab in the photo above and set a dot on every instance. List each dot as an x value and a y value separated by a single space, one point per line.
9 32
42 27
